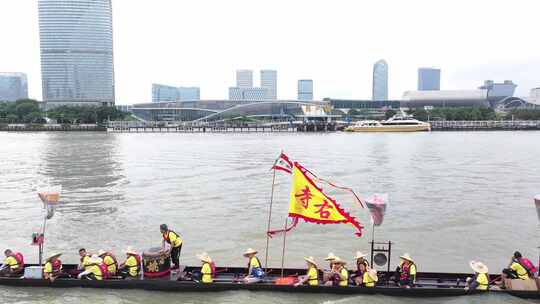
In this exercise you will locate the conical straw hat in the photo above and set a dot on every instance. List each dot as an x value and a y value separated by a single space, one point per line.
57 255
330 257
204 257
311 260
337 260
478 267
250 251
359 255
407 257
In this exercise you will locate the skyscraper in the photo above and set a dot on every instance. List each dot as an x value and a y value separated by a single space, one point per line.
305 89
429 79
13 86
244 78
76 51
380 80
269 82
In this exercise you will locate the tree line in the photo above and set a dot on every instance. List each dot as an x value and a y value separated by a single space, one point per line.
29 111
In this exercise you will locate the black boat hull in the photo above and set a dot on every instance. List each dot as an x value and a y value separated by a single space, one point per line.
429 284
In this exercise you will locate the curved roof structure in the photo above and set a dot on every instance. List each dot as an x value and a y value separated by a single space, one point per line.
217 110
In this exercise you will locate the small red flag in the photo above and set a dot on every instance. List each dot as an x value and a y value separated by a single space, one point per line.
283 163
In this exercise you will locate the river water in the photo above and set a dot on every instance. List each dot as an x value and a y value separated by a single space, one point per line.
453 197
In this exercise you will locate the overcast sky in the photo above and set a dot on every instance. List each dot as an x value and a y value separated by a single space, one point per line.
334 42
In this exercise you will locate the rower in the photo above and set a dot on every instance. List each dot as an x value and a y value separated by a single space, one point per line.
340 273
53 268
406 272
312 275
369 278
517 268
93 271
480 280
327 274
362 266
174 240
255 272
110 261
13 264
84 260
132 266
208 268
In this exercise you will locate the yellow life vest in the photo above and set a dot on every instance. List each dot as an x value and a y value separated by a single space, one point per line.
206 271
483 281
313 276
368 281
344 277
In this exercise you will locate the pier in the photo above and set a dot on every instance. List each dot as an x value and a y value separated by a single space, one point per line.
485 125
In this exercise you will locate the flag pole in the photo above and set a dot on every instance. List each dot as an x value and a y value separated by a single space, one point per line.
284 240
269 219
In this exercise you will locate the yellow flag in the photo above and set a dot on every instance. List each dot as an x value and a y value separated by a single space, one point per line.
308 202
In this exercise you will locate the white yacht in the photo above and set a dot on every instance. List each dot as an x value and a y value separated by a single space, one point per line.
397 123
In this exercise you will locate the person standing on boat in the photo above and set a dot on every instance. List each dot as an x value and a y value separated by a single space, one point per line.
517 269
255 271
362 266
340 273
208 268
13 264
93 271
480 280
110 261
327 274
406 272
53 268
131 268
312 275
174 240
85 259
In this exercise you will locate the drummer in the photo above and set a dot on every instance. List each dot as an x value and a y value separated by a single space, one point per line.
174 240
131 268
255 272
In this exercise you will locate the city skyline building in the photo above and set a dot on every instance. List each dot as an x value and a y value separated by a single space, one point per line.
13 86
499 90
380 81
429 79
162 93
76 45
251 94
244 78
305 89
269 82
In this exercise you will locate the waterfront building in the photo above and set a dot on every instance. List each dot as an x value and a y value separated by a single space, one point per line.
429 79
269 82
253 94
244 78
76 43
161 93
13 86
305 89
499 90
380 81
219 110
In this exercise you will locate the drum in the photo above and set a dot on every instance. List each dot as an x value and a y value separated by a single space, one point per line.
156 263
